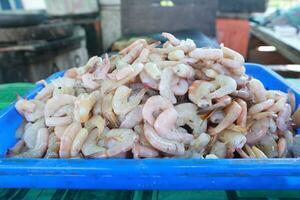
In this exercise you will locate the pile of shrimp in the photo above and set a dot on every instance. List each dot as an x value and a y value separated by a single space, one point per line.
170 100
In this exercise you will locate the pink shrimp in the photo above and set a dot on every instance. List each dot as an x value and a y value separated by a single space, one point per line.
68 138
162 144
132 45
165 89
89 81
139 150
173 40
153 106
257 131
184 71
283 118
206 54
258 90
180 86
58 121
242 119
220 103
231 114
226 85
165 126
261 106
56 102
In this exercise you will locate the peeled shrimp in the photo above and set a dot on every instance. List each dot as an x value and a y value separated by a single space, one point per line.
68 138
200 143
180 86
107 110
296 117
176 55
83 105
59 131
165 127
199 91
206 54
184 71
120 102
187 115
282 147
90 146
95 122
24 105
172 39
152 70
226 86
132 54
242 119
58 121
78 142
269 146
261 106
45 93
231 114
132 45
31 132
283 118
118 141
16 149
233 138
56 102
53 147
148 81
257 131
64 110
140 151
133 118
217 117
40 146
89 81
232 59
37 113
258 90
219 149
143 57
153 106
162 144
165 89
220 103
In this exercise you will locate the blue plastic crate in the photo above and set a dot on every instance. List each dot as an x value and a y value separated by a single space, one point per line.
225 174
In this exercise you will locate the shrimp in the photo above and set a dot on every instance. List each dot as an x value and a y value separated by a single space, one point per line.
117 141
78 142
283 118
110 85
89 81
165 89
59 131
220 69
133 118
231 115
40 147
258 153
259 107
243 93
107 110
200 143
37 113
262 115
176 55
257 131
152 70
16 149
95 122
143 57
269 146
24 105
120 103
187 46
83 105
68 138
162 144
258 90
184 71
132 54
45 93
165 126
296 117
198 92
153 106
232 59
90 146
172 39
242 119
166 63
132 45
56 102
292 100
233 138
144 151
279 105
102 68
227 86
58 121
63 85
64 110
217 117
206 54
187 115
98 106
210 73
180 86
119 74
282 147
31 132
221 103
53 147
219 149
148 81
